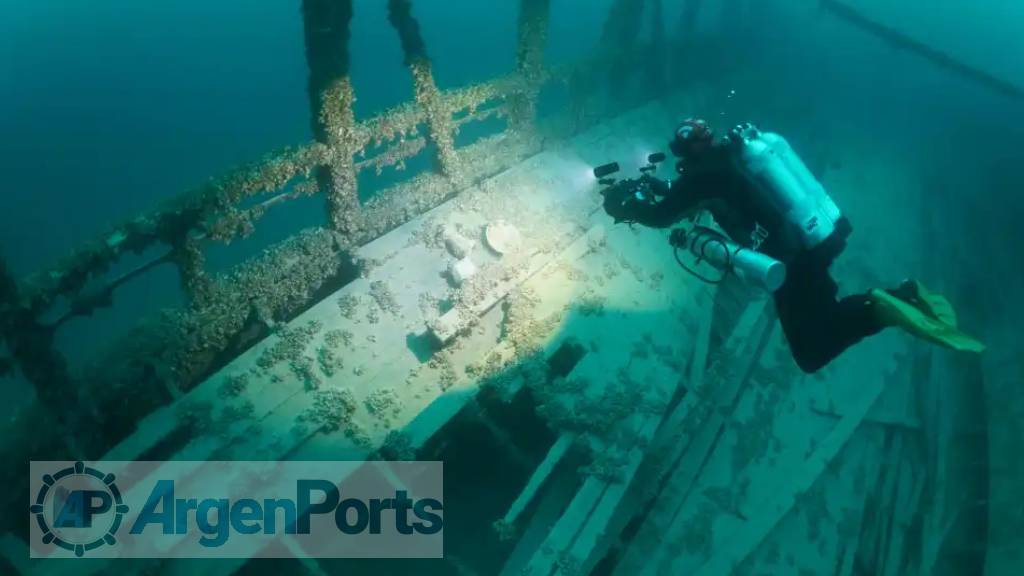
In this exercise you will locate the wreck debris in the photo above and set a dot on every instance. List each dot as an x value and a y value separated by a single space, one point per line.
397 446
331 411
383 403
233 385
338 339
502 237
384 297
902 41
456 243
348 305
302 368
461 271
291 344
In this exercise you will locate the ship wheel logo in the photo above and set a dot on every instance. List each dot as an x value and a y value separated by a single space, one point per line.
79 509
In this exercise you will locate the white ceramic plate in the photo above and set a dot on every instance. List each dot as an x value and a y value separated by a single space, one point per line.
502 237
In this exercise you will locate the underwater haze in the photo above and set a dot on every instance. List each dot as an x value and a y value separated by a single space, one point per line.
910 113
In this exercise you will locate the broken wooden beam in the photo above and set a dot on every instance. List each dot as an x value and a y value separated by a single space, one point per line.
555 455
902 41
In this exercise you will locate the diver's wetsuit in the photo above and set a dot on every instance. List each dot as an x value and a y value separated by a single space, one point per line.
818 326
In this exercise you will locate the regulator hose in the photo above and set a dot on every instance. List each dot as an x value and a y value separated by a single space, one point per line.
713 237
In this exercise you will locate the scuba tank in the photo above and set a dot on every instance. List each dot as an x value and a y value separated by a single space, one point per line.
769 162
708 245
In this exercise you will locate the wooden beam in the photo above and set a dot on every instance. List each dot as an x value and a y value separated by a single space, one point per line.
555 454
9 301
603 525
619 38
688 20
191 263
704 426
31 347
534 21
903 41
327 31
193 210
426 93
798 481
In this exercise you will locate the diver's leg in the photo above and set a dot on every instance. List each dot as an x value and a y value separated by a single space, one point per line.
817 325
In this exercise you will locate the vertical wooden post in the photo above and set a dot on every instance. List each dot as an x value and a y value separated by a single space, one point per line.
534 19
8 306
191 263
32 349
428 97
331 97
684 41
688 20
619 42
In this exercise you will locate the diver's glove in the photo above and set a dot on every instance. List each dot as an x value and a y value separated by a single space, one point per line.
628 200
621 204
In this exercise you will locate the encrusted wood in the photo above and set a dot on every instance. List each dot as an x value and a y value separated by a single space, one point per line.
170 351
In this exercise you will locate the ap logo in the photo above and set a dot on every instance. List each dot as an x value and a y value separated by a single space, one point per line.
79 509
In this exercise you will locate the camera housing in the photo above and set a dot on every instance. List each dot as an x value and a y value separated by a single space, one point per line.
603 172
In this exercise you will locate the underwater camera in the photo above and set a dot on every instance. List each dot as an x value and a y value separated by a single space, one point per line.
604 172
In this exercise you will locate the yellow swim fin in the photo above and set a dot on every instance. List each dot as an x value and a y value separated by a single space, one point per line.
924 314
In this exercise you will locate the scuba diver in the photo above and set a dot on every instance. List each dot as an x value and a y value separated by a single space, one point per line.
766 201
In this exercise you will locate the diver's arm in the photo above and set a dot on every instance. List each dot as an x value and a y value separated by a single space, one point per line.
667 205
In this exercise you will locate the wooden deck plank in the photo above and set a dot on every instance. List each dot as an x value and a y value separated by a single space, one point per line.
799 481
696 433
540 475
594 536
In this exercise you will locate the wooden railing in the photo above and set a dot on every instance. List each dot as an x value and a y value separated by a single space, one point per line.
167 354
